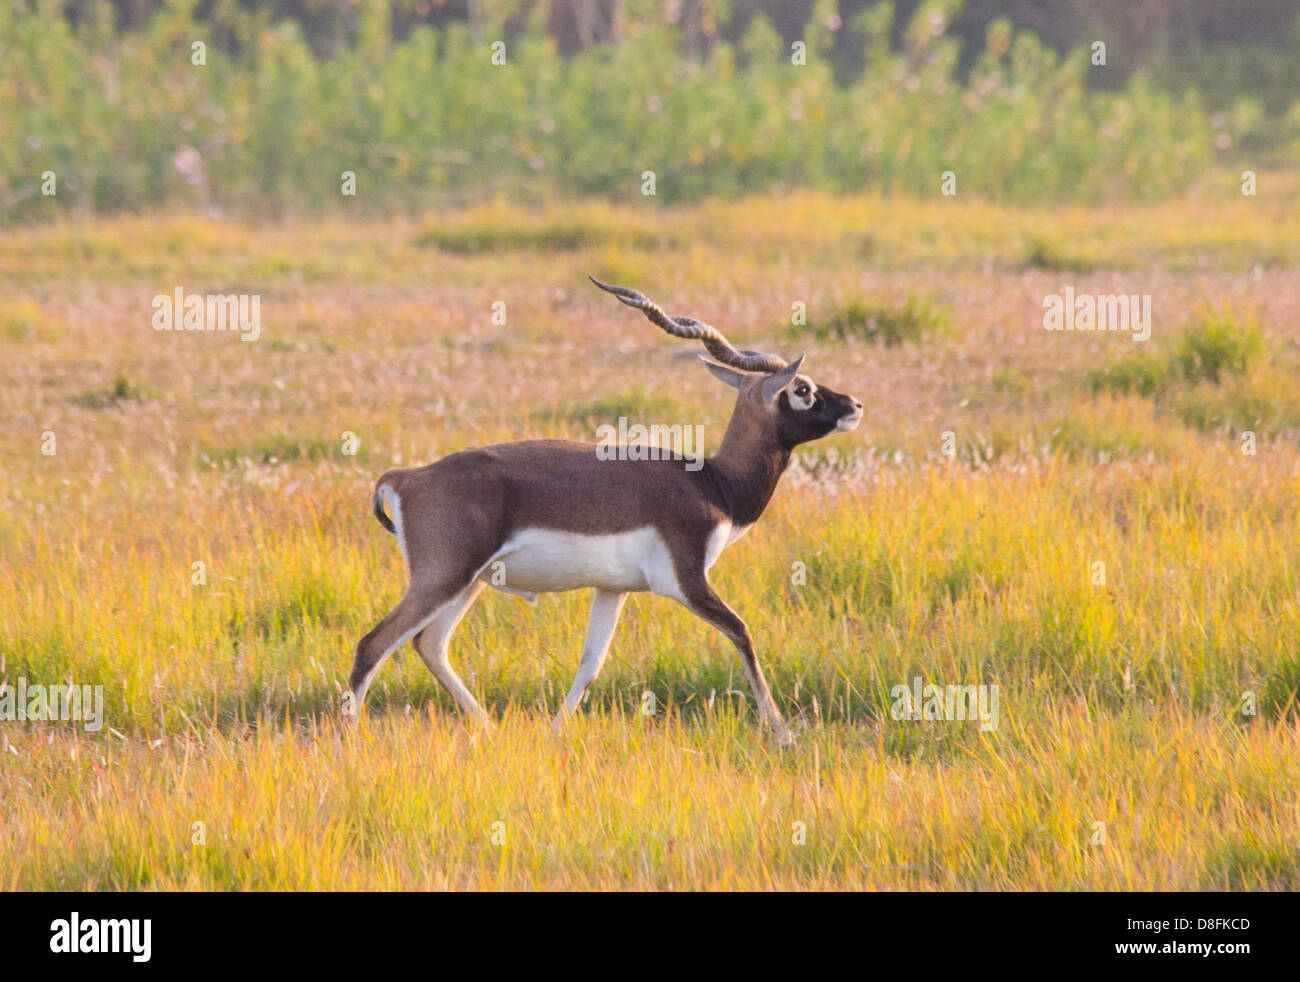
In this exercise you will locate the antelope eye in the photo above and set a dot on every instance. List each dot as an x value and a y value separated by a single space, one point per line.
801 391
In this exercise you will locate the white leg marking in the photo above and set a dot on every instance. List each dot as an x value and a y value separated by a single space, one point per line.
606 605
768 714
433 649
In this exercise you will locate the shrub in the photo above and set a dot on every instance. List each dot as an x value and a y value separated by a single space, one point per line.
24 320
271 124
1213 345
1216 343
864 321
1143 374
1048 254
122 390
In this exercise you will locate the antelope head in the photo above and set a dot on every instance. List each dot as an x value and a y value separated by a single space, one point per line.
785 403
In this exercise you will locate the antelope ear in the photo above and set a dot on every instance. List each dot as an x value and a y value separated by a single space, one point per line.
774 383
723 373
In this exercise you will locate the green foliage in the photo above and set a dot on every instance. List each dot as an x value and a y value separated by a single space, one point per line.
1211 376
636 405
1281 696
1215 344
1264 400
25 320
122 390
494 229
277 448
1141 374
487 237
878 324
1044 253
127 121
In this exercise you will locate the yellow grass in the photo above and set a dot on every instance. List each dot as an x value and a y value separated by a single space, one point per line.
882 558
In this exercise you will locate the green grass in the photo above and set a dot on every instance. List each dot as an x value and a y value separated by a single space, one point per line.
1217 344
1143 374
1214 376
494 229
890 325
122 390
881 559
275 448
25 320
635 405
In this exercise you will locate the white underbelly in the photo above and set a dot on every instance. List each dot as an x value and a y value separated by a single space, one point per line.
544 561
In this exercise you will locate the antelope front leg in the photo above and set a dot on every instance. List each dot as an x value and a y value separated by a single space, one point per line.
706 604
605 608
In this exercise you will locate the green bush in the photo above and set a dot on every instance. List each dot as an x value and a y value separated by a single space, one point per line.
635 405
1048 254
26 320
1216 344
125 120
122 390
1211 377
860 320
1143 374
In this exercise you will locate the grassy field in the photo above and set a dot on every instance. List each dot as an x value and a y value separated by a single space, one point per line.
1121 702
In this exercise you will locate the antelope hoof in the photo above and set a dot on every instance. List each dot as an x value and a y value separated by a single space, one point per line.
783 734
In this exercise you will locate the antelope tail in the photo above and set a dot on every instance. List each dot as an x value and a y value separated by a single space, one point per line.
380 514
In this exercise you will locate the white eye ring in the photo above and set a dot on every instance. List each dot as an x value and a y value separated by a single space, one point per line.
802 393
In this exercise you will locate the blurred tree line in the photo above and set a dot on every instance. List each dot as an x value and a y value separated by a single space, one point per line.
1166 37
712 97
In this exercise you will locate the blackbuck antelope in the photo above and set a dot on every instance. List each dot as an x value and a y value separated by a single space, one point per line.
538 516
